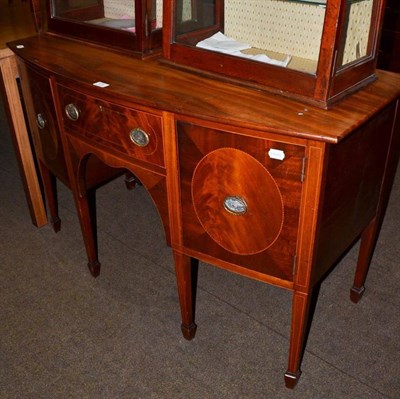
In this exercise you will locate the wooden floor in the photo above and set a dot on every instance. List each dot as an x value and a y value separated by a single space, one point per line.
16 20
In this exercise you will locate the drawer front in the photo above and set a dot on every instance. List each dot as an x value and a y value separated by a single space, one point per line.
134 133
240 198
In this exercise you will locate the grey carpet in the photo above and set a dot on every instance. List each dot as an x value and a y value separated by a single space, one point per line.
64 334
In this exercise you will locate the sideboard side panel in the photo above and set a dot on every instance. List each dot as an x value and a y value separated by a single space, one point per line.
353 185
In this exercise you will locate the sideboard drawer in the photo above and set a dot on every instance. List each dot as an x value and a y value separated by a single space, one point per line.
131 132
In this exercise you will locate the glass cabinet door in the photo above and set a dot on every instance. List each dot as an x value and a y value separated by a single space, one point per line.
314 50
63 8
278 32
131 25
192 16
114 14
357 35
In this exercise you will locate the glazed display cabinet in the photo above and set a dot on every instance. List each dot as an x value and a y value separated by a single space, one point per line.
132 26
315 50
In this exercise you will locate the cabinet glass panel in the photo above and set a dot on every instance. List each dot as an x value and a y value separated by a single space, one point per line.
279 32
108 14
357 38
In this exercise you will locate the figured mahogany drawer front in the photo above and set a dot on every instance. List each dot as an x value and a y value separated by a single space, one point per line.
240 198
131 132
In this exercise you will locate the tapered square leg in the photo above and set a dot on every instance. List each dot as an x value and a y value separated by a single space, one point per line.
50 191
86 206
131 181
367 246
186 277
298 336
291 379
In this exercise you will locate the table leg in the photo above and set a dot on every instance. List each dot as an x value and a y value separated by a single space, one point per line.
298 336
8 84
86 207
186 277
367 245
50 189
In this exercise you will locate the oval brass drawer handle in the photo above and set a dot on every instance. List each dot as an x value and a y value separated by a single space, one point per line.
72 112
235 205
41 121
139 137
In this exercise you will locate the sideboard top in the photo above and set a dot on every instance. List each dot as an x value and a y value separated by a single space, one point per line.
158 85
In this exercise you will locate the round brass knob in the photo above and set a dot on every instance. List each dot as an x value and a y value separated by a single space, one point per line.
41 121
139 137
72 112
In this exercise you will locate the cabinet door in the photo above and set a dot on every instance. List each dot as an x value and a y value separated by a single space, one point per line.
42 116
240 198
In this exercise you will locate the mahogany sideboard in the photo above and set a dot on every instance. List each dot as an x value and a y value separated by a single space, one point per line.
248 181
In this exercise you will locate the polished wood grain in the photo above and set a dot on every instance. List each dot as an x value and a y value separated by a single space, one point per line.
111 125
45 136
185 269
213 140
39 102
215 164
193 95
38 95
94 156
370 234
254 220
352 196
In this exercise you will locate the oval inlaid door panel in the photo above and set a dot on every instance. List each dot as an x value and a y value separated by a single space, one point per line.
240 214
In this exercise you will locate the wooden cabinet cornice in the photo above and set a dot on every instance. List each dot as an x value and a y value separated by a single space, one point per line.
246 180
